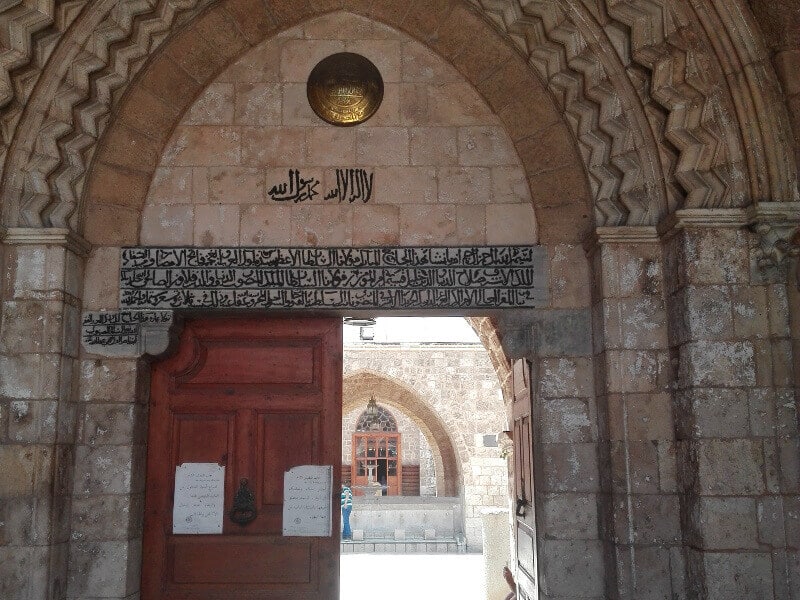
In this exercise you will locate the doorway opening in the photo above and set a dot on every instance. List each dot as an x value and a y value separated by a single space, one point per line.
376 469
423 409
271 394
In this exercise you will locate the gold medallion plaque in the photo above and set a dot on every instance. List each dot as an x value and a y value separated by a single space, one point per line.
345 89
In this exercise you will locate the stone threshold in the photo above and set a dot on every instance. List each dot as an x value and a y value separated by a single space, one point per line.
389 546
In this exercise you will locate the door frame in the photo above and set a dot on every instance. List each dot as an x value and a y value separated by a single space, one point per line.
139 366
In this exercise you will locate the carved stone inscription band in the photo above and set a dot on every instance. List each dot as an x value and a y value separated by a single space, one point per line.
333 278
156 281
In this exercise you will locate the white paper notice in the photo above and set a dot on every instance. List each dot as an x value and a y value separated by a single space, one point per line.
199 502
307 501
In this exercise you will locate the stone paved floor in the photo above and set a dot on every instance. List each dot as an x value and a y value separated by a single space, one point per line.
412 576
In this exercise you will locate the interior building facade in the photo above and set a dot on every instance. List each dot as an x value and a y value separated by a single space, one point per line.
432 433
644 152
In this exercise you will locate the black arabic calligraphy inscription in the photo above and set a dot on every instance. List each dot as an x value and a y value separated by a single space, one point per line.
352 185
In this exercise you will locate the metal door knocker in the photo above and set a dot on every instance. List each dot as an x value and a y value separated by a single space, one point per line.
244 505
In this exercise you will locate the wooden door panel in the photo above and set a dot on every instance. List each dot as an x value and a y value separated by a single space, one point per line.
202 437
525 523
258 396
251 364
251 562
284 442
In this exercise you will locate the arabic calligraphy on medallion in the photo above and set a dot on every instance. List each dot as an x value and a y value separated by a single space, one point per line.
345 89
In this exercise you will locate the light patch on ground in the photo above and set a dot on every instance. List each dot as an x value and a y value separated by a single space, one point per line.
427 576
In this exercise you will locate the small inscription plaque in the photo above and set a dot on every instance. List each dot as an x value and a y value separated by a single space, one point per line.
122 332
307 501
199 500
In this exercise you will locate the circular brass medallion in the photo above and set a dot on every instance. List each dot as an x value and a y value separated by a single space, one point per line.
345 89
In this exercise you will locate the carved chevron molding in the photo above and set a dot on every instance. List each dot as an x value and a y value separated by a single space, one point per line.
21 21
591 101
657 120
31 30
680 81
677 42
699 133
106 61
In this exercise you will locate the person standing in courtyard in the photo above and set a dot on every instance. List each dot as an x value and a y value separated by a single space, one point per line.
347 507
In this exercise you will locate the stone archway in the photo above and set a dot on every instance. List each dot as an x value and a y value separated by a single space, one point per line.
627 445
358 388
660 38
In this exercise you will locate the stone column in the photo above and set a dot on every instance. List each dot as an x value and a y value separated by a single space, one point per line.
642 516
108 497
566 456
565 445
108 501
736 417
39 338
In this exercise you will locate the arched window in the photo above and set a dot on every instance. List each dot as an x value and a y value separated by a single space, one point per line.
377 469
382 420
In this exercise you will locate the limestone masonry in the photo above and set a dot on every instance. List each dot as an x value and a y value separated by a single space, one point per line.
643 152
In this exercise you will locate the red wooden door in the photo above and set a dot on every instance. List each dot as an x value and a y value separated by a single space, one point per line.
525 529
258 396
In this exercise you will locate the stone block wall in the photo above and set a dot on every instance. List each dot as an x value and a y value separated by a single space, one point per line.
641 514
108 495
736 416
39 338
445 169
666 441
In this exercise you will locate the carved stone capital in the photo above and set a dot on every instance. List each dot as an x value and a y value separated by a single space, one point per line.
777 227
619 235
47 236
128 333
702 218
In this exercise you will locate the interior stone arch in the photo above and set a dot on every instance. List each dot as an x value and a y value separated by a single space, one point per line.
133 144
357 390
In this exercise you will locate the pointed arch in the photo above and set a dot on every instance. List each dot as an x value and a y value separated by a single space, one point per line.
360 386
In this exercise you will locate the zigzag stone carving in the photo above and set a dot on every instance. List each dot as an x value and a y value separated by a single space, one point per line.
563 57
666 41
663 43
108 58
32 31
97 46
